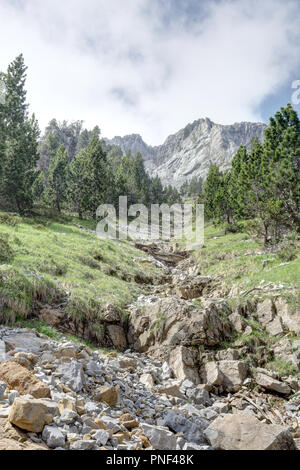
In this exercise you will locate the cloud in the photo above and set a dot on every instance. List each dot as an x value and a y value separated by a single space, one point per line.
151 66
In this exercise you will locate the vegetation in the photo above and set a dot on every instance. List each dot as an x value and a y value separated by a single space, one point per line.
51 260
263 185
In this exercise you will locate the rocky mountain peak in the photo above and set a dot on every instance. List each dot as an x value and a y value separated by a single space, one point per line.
190 151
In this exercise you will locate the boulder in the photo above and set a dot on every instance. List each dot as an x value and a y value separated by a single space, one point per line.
12 438
183 364
191 429
72 375
53 437
107 394
24 381
290 317
243 431
269 383
160 437
30 414
228 374
266 311
117 336
147 380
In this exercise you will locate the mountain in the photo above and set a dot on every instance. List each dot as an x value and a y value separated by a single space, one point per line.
192 150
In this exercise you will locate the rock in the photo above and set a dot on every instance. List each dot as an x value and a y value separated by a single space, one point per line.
188 151
147 380
182 362
270 383
160 437
101 437
12 438
13 394
66 404
24 381
192 430
51 316
82 445
229 374
290 318
227 355
129 421
2 389
117 337
3 355
238 323
53 437
25 340
72 375
242 431
112 314
172 390
266 311
68 417
107 394
30 414
183 325
275 327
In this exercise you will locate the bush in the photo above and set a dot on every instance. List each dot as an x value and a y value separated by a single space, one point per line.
288 251
6 251
9 219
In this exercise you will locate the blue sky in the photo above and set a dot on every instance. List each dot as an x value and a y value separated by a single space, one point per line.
152 66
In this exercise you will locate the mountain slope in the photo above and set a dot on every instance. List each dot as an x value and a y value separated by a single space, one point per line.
192 150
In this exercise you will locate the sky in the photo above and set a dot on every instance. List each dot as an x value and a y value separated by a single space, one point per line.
152 66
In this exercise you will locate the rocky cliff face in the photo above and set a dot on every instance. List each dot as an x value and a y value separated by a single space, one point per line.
192 150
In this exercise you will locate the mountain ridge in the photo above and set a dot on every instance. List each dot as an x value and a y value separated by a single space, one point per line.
190 151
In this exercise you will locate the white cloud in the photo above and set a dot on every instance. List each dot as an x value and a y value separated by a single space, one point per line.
118 65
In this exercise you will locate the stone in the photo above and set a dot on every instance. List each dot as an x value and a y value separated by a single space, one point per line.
147 380
159 437
129 421
191 429
290 317
82 445
12 438
238 322
2 389
228 374
107 394
30 414
266 311
172 390
101 437
243 431
182 362
66 404
117 336
269 383
275 327
68 416
24 381
72 375
53 437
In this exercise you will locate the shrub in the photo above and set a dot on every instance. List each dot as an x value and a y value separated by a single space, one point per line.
6 251
9 219
288 251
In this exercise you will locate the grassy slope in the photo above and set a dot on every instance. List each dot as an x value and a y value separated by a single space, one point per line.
228 258
54 258
238 260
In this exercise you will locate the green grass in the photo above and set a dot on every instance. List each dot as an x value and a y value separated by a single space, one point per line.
237 260
52 259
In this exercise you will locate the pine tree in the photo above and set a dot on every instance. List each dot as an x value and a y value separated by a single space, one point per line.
21 140
57 179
